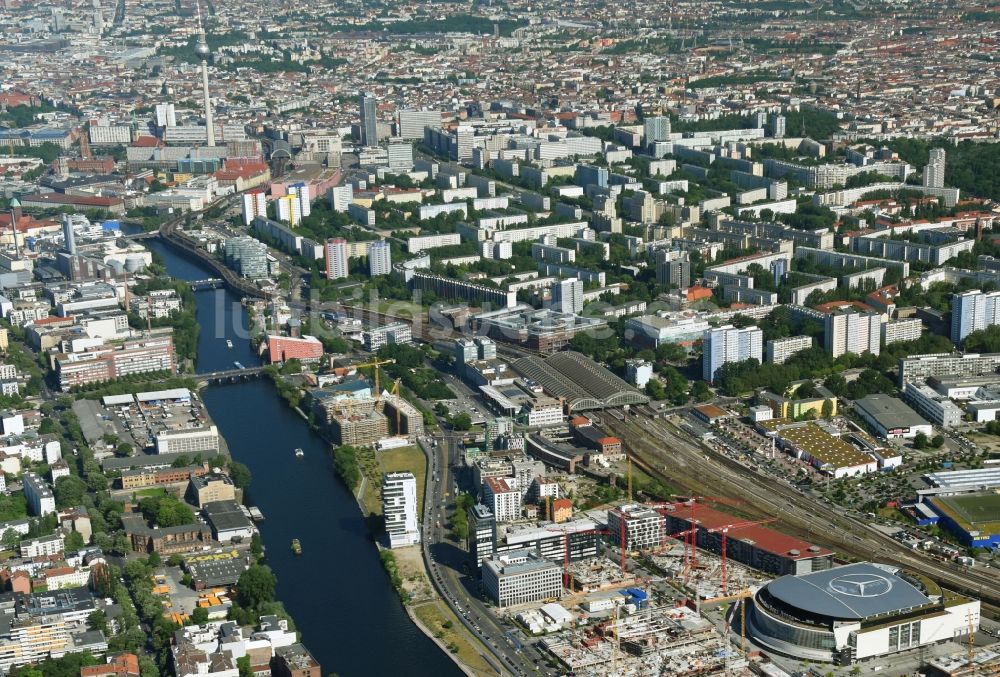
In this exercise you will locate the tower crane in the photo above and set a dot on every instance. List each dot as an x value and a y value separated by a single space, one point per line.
724 531
377 364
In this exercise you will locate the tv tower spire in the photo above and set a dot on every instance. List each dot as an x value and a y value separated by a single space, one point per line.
202 51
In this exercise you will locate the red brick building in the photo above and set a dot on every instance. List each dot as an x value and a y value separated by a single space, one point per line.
284 348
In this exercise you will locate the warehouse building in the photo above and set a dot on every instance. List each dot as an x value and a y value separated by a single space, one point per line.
890 418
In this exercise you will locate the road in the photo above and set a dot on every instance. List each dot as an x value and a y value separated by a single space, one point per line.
445 563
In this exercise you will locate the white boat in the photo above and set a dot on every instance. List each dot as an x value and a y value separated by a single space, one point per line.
255 514
299 453
229 344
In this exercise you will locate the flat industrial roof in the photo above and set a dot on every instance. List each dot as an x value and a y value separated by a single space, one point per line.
823 446
853 591
890 412
584 383
962 480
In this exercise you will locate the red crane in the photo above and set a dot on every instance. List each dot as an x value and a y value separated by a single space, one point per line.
724 530
566 534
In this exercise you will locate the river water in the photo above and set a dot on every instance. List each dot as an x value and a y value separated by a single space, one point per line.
337 592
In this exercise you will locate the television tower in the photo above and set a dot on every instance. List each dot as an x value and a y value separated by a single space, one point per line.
203 52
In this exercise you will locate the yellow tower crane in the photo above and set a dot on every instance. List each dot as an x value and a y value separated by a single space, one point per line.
378 370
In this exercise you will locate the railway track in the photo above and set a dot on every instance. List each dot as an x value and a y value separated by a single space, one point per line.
702 471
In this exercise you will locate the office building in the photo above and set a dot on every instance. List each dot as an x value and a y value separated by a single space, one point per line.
399 507
292 661
520 577
655 129
254 204
482 534
150 353
284 348
69 237
729 344
852 332
336 258
369 120
247 256
567 296
188 441
400 154
644 527
412 123
38 495
673 268
971 311
936 407
380 258
779 350
934 171
210 488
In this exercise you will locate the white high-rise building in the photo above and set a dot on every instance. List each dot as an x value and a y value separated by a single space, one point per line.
341 197
971 311
400 154
166 116
412 122
336 258
399 506
656 129
254 204
294 205
778 126
567 296
379 258
729 344
852 332
934 171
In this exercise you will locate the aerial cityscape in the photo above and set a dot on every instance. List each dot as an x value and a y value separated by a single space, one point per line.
520 339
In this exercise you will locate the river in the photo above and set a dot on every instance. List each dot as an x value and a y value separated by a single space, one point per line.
337 592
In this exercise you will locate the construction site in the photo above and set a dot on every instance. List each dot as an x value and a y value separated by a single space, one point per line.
670 593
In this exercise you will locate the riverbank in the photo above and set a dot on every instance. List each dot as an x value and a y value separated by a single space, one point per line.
337 587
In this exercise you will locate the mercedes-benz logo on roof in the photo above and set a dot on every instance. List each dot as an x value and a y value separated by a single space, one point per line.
861 585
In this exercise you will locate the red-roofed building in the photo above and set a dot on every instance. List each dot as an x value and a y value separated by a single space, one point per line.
755 546
698 293
114 205
304 349
119 665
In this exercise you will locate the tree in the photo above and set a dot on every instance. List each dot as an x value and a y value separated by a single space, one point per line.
199 616
461 421
256 586
124 449
10 539
47 426
239 474
655 390
920 441
98 621
244 666
154 560
937 441
700 391
827 411
69 491
74 541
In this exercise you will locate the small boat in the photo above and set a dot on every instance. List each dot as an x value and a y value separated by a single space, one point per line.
229 344
299 453
255 514
296 546
238 365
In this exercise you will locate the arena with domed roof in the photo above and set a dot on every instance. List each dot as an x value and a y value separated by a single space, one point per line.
854 612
